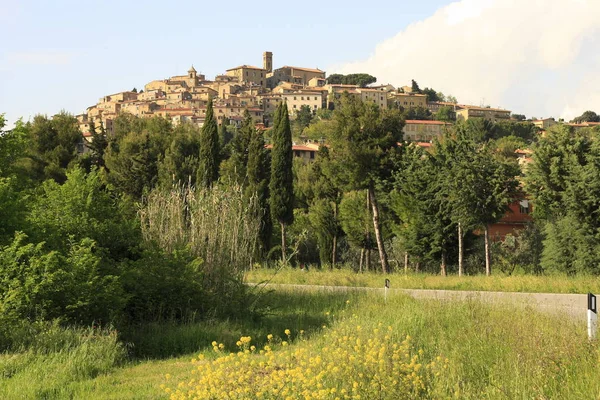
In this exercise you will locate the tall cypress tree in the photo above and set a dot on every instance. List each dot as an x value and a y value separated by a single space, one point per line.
281 185
208 171
257 178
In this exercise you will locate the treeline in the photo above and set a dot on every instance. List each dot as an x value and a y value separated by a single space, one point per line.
159 221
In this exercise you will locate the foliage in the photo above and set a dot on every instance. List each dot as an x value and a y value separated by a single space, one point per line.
281 183
415 86
13 149
208 168
518 117
359 364
13 210
82 208
588 116
52 146
217 229
446 114
303 117
181 161
361 80
40 285
565 189
257 178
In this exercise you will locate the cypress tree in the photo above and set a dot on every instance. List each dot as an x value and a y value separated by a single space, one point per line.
208 171
257 178
281 185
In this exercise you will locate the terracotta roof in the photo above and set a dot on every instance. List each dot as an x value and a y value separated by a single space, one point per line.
303 69
425 122
246 67
483 108
295 147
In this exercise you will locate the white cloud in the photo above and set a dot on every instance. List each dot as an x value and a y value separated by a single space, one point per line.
530 56
44 57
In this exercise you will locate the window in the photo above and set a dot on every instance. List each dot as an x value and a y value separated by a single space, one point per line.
297 153
294 97
316 98
294 106
302 98
524 207
312 155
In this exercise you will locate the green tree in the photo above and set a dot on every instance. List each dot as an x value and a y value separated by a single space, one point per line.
588 116
257 178
432 95
518 117
208 170
13 150
446 114
303 117
415 87
234 168
281 184
181 161
365 143
53 146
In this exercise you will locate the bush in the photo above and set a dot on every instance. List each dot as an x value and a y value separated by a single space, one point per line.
37 284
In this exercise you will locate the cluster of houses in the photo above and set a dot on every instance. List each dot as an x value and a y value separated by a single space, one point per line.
184 99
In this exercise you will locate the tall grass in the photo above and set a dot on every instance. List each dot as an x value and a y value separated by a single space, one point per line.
493 352
502 283
49 357
218 225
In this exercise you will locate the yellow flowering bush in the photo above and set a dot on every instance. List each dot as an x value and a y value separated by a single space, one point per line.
349 362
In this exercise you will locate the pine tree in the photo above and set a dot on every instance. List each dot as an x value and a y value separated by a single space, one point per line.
208 172
281 185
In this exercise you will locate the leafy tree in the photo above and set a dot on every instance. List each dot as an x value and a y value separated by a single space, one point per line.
565 187
14 145
519 117
365 143
133 164
416 113
82 208
234 168
303 117
432 95
356 221
208 169
98 145
588 116
53 146
181 161
446 114
360 79
281 184
335 79
479 187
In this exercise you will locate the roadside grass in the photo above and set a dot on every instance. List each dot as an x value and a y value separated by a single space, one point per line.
400 280
492 351
99 369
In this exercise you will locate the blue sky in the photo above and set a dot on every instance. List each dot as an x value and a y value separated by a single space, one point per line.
542 60
66 54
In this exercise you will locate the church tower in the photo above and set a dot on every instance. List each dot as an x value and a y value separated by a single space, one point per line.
268 61
192 73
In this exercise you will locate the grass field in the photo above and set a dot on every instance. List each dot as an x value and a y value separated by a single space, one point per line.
463 350
501 283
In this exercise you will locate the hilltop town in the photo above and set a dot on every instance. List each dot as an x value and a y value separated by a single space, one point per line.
183 98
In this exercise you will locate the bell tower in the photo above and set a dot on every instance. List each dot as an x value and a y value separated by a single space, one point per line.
268 61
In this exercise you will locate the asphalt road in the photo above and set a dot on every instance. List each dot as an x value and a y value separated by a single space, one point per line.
572 305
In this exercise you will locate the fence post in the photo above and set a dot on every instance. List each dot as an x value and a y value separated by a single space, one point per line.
386 287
